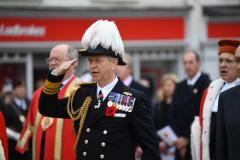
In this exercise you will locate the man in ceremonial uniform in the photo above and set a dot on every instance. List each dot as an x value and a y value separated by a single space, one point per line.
186 101
52 138
203 133
228 122
109 117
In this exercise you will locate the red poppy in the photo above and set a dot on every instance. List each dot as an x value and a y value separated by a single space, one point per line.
110 111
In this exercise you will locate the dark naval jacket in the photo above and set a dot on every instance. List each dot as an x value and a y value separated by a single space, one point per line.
110 130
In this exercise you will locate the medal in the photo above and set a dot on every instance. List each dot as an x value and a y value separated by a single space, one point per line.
46 123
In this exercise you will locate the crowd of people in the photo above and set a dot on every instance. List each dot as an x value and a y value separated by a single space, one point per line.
116 117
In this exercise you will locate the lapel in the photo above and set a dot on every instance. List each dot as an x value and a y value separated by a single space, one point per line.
95 114
186 92
192 91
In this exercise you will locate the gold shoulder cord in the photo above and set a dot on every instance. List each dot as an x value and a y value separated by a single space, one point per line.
80 113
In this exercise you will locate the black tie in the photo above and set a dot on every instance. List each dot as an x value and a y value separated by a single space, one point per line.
100 96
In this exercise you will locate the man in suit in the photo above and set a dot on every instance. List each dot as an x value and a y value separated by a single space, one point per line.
15 106
19 97
186 101
109 117
203 131
228 123
125 73
51 138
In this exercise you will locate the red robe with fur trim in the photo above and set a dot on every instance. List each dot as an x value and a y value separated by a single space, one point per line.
60 135
200 129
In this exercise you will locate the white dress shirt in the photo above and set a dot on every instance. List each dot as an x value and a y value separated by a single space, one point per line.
107 89
192 81
225 87
128 80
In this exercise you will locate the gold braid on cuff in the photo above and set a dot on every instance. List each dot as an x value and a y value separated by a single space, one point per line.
80 113
51 88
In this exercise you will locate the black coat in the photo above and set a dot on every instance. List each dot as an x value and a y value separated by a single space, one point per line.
138 86
111 138
185 104
146 91
161 115
228 125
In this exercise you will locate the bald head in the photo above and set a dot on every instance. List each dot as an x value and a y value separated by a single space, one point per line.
61 53
60 49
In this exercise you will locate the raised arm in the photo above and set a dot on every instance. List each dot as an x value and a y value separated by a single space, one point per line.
49 104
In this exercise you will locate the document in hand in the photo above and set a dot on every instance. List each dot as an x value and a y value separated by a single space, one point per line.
167 135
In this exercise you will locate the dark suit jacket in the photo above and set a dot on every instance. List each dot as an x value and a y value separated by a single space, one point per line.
228 125
185 104
138 86
24 112
161 115
146 91
120 135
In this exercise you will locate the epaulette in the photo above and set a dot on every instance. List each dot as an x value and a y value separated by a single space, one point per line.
87 83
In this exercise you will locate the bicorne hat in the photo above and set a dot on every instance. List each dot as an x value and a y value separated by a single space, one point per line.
103 38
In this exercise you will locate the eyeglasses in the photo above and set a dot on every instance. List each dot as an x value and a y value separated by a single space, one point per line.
56 60
227 61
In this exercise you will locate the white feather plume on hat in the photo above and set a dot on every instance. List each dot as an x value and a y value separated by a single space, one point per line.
106 34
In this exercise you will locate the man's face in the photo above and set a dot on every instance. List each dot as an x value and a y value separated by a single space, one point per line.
237 57
123 72
191 65
228 67
102 67
56 58
20 92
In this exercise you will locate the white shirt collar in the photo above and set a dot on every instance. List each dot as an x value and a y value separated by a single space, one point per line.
128 80
225 87
66 80
20 103
194 79
107 89
230 85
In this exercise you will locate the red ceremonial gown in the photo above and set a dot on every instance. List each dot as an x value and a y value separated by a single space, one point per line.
59 133
3 136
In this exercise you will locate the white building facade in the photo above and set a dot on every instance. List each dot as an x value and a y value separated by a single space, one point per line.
155 32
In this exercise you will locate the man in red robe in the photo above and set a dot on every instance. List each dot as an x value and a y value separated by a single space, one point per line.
3 139
52 138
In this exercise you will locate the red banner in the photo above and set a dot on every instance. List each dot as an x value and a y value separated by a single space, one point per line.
223 29
71 29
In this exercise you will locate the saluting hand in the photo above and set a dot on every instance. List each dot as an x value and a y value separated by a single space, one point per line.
64 67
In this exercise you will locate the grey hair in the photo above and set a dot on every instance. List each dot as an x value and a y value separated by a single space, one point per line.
72 52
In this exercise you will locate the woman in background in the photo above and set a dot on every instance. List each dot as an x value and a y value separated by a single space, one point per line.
161 111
